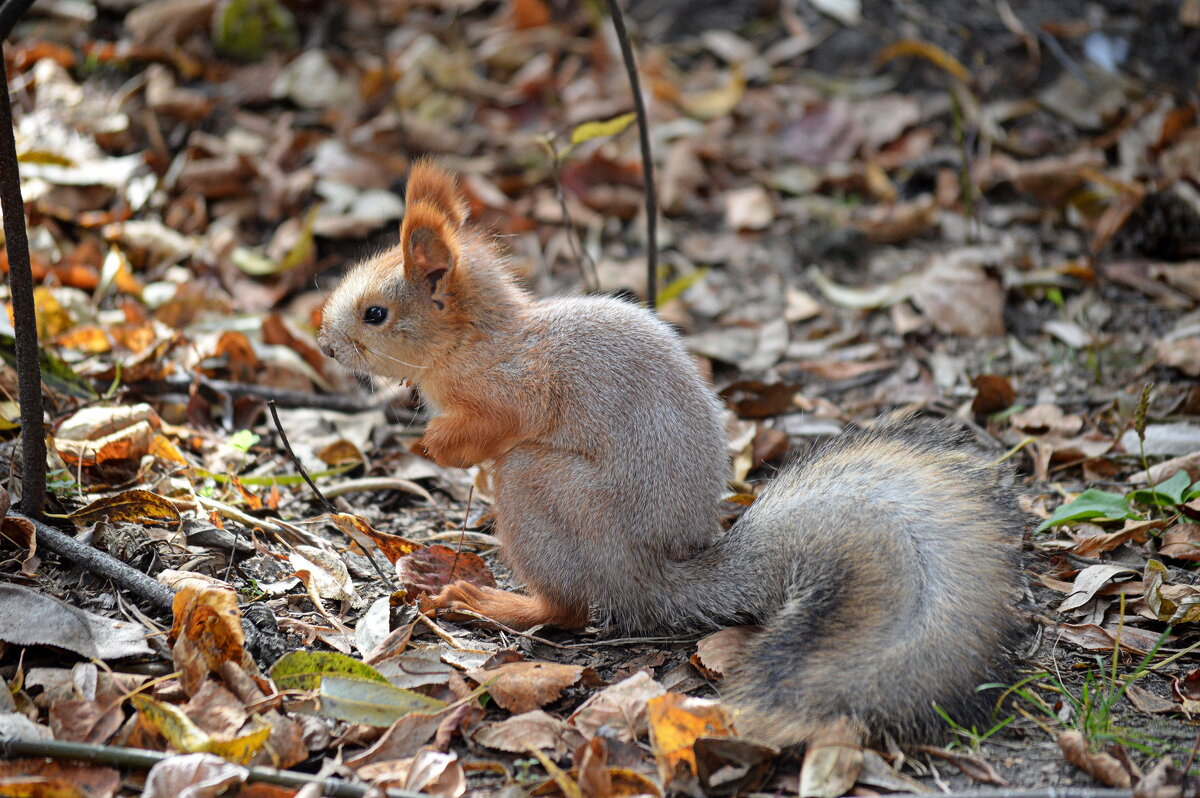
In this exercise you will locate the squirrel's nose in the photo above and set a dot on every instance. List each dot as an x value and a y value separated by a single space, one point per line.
325 345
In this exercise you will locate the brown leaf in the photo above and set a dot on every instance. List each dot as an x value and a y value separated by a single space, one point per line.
1147 701
48 778
972 766
718 653
1182 353
757 399
361 532
993 393
402 739
1102 766
620 707
897 222
207 631
959 298
1181 542
524 686
1107 541
832 761
533 729
430 569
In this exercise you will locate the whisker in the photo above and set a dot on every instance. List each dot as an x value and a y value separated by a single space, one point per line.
389 357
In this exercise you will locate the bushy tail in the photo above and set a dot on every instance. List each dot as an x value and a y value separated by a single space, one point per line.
903 590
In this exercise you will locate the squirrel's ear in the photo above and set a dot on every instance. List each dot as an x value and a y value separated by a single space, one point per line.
430 243
430 183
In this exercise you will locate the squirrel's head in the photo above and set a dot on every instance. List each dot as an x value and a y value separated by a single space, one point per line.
393 315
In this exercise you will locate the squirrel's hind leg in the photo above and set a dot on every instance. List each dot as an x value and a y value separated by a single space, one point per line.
510 609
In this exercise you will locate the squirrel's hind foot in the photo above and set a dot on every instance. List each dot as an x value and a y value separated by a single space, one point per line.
509 609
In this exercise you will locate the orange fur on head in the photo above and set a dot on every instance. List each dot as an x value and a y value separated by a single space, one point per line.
430 183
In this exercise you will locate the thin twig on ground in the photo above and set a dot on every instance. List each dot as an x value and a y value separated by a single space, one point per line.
138 758
639 108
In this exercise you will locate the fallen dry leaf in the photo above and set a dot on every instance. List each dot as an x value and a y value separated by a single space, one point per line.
533 729
524 686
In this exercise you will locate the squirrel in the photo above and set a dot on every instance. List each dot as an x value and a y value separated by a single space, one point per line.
883 568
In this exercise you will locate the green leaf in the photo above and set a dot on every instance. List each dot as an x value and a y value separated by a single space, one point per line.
243 439
56 373
1091 503
303 670
1193 492
249 29
1169 491
369 702
595 130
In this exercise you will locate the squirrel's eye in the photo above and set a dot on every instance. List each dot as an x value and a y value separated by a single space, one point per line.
375 315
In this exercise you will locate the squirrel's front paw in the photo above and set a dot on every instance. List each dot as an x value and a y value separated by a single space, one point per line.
444 455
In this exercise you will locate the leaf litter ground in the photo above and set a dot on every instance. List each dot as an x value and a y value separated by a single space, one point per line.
990 214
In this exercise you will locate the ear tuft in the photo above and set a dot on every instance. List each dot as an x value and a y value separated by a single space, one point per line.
430 242
430 183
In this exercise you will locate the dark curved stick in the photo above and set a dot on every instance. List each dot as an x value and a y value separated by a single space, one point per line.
639 107
20 276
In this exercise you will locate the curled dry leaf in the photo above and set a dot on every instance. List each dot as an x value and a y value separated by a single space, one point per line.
133 506
1181 542
524 686
718 653
430 772
1089 581
1102 766
193 775
832 762
357 529
206 632
401 740
960 298
430 569
732 766
534 729
993 393
621 707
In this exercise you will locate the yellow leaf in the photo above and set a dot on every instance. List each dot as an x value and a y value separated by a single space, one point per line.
676 722
134 506
186 737
52 318
719 101
241 749
171 722
595 130
930 52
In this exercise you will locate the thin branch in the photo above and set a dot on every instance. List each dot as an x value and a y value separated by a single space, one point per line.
1045 792
20 280
299 466
97 562
639 107
138 758
329 508
337 402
